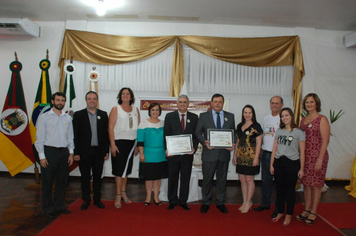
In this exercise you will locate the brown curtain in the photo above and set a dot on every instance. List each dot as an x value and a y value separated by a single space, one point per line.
257 52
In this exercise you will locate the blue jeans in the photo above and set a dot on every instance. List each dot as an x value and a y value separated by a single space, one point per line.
267 179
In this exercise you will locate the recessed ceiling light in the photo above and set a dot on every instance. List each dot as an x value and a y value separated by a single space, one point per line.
102 5
100 9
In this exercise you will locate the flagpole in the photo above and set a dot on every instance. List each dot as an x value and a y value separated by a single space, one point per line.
37 173
41 101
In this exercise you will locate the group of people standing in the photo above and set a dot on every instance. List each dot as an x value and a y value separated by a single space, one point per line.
287 152
290 153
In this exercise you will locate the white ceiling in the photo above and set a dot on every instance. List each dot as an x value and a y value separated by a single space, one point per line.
320 14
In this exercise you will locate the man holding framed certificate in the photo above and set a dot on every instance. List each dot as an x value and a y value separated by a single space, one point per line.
180 144
215 159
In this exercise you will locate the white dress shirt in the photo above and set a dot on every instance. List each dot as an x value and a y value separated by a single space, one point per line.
55 131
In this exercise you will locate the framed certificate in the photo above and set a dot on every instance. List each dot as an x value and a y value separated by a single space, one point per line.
179 144
221 138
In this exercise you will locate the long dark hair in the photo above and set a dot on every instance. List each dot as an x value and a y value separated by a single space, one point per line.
292 123
254 119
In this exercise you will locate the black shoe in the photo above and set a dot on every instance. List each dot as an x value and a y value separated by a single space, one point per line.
222 208
99 204
185 207
65 211
171 206
50 215
204 208
261 208
275 213
84 206
157 203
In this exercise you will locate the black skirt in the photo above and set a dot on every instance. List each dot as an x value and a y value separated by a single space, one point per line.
153 171
122 163
247 170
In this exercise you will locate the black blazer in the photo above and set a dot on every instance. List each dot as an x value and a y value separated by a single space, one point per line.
82 132
172 126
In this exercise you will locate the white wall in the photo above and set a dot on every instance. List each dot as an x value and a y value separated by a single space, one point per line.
31 51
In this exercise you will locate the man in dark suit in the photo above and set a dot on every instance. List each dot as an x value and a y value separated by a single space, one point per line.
91 140
176 123
214 160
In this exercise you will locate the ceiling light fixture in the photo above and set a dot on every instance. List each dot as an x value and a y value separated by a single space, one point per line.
101 6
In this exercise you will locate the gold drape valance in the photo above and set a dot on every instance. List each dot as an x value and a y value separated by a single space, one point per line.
257 52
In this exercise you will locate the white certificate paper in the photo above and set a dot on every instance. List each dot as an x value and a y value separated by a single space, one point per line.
220 138
179 144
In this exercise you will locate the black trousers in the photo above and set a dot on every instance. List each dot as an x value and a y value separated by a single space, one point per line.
91 162
56 172
286 176
179 167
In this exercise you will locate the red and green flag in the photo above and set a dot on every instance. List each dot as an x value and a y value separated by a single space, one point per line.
15 139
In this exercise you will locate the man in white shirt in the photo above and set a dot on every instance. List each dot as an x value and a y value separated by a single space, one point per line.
54 144
270 125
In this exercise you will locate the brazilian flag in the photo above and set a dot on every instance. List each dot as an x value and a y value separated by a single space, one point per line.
42 101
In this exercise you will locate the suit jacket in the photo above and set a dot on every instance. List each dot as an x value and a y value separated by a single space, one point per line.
82 132
206 122
172 126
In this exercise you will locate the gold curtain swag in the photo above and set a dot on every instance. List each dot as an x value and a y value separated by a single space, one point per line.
257 52
108 49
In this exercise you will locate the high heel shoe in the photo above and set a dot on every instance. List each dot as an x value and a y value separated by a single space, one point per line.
118 205
157 203
276 219
127 200
310 221
147 203
285 223
248 209
242 206
300 217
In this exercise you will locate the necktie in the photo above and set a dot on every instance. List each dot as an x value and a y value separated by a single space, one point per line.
218 122
182 122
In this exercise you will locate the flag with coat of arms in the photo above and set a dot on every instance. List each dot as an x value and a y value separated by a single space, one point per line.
15 139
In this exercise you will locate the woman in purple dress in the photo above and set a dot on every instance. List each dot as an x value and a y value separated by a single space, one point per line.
317 131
